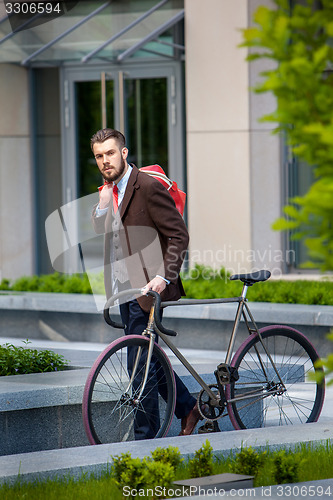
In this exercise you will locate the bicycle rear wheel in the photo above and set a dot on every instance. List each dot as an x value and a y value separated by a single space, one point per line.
258 398
111 411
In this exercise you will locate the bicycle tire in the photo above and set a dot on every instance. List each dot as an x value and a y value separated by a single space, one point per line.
295 358
110 415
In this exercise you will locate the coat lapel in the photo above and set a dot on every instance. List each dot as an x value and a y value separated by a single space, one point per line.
131 186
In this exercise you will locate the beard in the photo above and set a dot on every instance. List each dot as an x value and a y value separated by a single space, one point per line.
115 173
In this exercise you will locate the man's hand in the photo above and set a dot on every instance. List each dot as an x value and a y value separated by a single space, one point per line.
105 196
156 284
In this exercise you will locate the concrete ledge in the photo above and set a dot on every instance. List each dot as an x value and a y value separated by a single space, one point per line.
56 302
43 411
75 317
38 390
300 314
95 459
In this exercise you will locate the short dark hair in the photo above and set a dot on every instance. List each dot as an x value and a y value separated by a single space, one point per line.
107 133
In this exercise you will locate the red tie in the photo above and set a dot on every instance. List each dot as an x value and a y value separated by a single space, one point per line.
115 198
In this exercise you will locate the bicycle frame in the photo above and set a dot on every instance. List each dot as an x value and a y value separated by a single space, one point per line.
242 311
242 307
266 379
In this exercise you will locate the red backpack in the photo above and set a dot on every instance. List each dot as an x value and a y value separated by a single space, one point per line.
178 196
156 171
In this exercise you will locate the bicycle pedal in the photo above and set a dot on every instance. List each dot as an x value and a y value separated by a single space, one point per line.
209 427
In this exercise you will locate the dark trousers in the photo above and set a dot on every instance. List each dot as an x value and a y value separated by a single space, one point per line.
136 321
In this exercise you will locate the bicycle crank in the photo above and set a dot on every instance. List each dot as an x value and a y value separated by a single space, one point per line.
209 408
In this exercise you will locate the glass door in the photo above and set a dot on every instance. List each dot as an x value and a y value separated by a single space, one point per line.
145 103
146 121
94 110
145 124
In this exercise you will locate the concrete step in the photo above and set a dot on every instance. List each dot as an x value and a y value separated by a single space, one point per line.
62 390
42 411
95 459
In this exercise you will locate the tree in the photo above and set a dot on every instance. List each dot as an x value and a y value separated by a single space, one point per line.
300 40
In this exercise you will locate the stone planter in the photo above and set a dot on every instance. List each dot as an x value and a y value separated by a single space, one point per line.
214 485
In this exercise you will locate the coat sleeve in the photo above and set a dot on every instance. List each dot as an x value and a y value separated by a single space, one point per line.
171 228
98 222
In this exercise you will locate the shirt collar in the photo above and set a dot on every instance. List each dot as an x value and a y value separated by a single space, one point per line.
124 180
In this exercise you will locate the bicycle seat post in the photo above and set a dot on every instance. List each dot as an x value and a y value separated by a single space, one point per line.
242 300
244 291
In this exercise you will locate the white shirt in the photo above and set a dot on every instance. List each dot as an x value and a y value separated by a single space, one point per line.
122 185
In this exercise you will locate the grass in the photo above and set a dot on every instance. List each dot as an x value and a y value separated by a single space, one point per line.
85 488
315 463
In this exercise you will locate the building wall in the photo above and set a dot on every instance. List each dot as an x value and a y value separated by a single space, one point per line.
16 175
233 166
266 174
48 156
233 161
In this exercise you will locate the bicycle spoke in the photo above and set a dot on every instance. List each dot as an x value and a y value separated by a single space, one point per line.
113 411
275 403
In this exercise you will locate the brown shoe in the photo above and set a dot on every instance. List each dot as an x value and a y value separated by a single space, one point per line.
190 421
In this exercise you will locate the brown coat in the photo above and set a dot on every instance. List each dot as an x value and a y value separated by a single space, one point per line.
153 236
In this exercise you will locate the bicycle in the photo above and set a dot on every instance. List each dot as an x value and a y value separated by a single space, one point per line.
265 382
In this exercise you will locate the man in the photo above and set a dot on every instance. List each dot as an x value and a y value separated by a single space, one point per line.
137 213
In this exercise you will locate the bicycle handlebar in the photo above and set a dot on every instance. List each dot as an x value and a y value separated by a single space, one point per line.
247 279
129 293
157 320
112 300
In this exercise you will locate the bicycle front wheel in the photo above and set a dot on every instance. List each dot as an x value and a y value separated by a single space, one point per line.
115 408
259 398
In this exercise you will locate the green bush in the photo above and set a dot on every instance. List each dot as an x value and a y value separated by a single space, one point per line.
286 467
133 472
200 283
56 283
202 463
159 474
21 360
248 462
120 464
146 474
170 455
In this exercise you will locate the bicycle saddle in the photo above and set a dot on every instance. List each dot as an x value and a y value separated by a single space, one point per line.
251 278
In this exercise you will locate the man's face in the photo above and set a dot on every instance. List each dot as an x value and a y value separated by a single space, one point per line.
111 160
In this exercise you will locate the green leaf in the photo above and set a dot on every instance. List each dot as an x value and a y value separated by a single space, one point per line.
251 35
329 29
320 56
262 16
